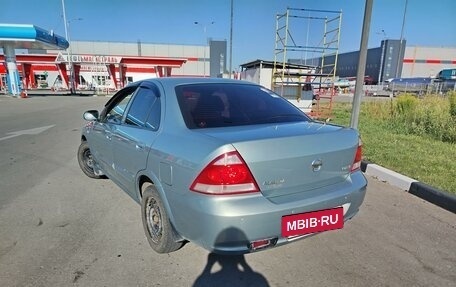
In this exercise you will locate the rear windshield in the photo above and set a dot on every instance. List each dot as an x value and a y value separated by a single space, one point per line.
224 105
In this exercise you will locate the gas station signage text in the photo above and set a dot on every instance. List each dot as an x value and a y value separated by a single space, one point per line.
93 59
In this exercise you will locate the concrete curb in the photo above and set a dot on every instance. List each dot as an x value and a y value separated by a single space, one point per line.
433 195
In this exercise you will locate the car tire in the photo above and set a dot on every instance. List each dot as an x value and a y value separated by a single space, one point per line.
159 231
85 160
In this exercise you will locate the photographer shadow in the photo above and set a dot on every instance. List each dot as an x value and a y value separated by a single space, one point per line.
234 272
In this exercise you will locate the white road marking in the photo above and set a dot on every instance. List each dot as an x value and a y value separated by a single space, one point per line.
34 131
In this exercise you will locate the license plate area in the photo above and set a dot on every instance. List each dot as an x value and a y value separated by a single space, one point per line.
312 222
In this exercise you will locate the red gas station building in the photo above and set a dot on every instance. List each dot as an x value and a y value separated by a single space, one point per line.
117 67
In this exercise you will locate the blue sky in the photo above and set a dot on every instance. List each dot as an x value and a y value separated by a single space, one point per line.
428 23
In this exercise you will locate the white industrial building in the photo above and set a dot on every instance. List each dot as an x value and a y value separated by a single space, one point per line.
422 61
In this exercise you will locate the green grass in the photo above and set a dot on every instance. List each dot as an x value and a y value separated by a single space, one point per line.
389 142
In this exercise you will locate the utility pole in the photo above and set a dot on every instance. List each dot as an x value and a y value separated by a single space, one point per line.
361 65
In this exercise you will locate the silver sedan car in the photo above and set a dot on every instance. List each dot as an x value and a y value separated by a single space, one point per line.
225 164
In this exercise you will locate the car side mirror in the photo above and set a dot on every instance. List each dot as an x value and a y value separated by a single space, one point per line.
91 115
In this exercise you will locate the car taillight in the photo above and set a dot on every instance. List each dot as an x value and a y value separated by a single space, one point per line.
227 174
358 157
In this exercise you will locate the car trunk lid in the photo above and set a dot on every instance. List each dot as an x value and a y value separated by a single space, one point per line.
293 157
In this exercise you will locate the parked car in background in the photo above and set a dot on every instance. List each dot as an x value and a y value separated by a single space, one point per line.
445 81
225 164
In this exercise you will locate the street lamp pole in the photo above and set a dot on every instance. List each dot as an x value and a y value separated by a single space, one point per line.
64 19
67 36
231 41
70 84
205 44
70 60
382 58
400 47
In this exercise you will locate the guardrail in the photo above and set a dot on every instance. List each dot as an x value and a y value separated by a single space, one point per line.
437 87
393 89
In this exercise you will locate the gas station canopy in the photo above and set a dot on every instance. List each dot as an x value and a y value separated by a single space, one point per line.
26 36
23 36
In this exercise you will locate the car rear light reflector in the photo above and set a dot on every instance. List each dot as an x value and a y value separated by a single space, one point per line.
358 157
262 243
227 174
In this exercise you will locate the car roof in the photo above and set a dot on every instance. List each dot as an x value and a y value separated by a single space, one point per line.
175 81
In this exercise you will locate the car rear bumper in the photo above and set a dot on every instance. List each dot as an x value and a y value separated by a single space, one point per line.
228 224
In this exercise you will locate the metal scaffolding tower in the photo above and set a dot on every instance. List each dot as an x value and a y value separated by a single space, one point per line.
306 52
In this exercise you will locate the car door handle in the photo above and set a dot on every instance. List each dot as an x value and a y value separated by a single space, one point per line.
109 136
139 147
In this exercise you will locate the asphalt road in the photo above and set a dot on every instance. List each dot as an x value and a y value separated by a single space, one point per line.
60 228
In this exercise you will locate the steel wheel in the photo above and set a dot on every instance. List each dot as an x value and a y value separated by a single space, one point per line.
154 220
88 160
158 229
85 160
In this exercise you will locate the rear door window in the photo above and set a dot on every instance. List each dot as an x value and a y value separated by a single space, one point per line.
223 105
